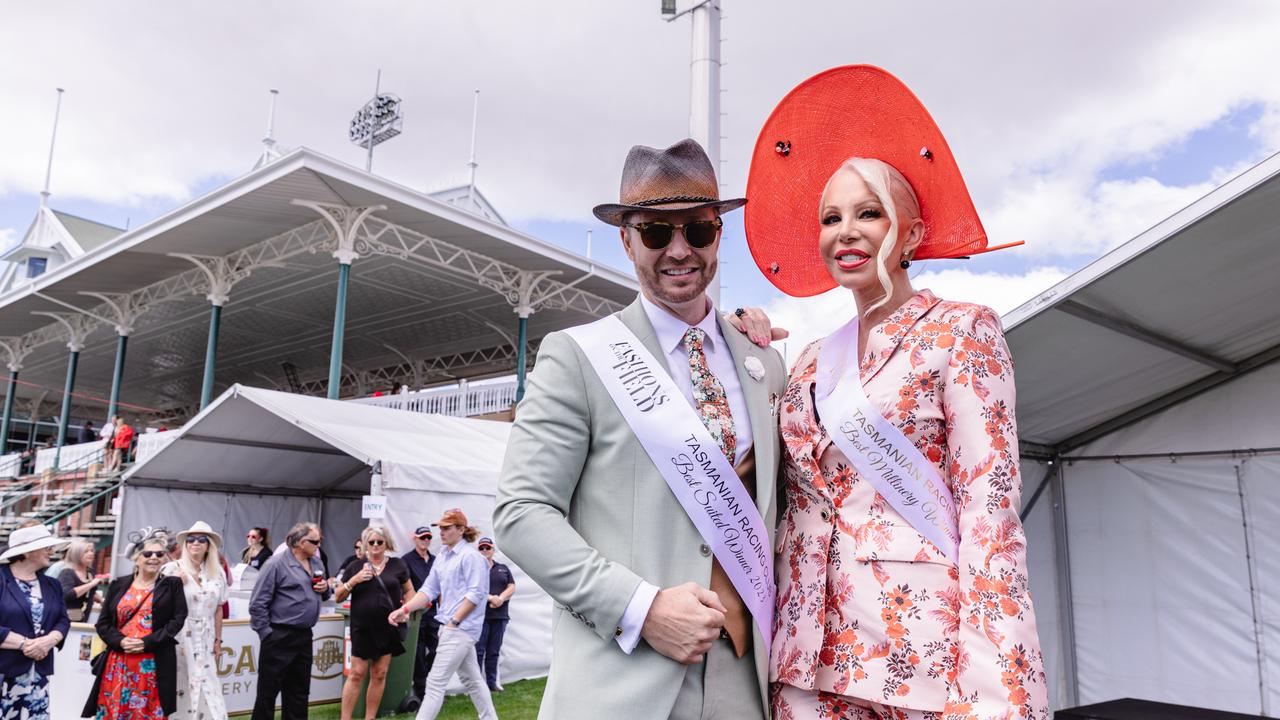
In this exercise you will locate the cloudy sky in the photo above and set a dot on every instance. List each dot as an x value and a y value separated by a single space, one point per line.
1077 124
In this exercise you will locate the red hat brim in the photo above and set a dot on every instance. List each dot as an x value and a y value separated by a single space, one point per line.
844 112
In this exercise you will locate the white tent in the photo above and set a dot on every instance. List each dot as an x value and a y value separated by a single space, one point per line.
264 458
1148 388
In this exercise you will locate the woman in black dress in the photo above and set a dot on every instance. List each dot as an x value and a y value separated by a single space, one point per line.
376 584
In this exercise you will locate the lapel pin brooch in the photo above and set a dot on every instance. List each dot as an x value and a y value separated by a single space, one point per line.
754 367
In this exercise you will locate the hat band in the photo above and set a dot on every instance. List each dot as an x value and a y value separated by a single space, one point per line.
674 198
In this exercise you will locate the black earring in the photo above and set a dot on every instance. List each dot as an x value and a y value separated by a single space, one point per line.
905 263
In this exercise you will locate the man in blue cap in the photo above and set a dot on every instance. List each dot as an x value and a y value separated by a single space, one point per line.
420 560
502 585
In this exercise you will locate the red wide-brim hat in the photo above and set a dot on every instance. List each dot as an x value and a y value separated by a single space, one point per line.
844 112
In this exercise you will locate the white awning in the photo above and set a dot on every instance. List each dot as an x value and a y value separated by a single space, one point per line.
259 439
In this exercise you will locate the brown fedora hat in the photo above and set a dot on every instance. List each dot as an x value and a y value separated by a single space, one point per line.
677 178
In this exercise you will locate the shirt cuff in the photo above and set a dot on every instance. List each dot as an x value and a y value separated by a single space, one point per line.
628 635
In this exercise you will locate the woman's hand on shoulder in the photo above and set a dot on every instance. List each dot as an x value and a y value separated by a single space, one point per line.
755 324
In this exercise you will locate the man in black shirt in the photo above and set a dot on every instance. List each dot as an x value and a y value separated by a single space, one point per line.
420 560
502 586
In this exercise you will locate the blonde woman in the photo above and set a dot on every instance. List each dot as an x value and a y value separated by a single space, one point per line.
903 589
377 584
205 587
79 584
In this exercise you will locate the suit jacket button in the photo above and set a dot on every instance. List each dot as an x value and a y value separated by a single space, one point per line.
705 550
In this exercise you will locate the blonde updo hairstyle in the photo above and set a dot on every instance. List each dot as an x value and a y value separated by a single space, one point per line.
896 195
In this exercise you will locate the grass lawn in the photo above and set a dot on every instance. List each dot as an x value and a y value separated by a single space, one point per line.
519 702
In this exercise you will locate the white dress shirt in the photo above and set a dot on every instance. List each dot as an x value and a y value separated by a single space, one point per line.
670 332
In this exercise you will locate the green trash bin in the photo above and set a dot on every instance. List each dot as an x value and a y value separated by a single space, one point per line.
399 676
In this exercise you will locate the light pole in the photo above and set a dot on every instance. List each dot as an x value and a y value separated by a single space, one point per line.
704 86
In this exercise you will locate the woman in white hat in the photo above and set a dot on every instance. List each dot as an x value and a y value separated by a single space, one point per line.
205 587
33 621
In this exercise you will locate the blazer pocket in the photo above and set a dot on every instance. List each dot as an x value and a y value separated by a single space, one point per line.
878 541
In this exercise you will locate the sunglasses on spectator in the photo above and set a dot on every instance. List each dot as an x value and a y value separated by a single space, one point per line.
699 233
377 543
197 539
315 542
486 547
152 553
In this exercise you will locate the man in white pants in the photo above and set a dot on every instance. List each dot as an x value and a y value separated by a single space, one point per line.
460 579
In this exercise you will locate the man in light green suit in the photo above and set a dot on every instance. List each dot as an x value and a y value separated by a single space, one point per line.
647 624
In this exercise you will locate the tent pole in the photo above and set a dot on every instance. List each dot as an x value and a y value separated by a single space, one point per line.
8 411
1066 613
72 361
117 376
1253 590
339 327
210 354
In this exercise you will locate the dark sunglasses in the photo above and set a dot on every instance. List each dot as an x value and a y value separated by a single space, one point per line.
197 539
377 543
486 547
313 542
152 553
699 233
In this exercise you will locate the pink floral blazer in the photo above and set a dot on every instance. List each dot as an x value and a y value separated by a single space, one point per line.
867 607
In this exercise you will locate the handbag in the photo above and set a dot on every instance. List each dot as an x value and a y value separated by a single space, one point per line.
402 630
98 662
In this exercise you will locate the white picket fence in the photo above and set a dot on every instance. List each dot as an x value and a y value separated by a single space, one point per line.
9 465
461 400
150 443
73 456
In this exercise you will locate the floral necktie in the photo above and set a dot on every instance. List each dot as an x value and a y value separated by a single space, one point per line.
708 394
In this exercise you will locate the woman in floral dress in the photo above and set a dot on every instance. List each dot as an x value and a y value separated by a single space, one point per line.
141 618
875 620
199 690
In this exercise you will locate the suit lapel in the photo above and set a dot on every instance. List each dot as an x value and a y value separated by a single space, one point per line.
885 338
754 391
756 394
635 318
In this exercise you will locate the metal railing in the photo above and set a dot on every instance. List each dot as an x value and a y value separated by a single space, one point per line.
40 488
461 400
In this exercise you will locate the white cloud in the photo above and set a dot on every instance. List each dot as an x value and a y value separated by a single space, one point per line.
1061 217
809 319
1036 99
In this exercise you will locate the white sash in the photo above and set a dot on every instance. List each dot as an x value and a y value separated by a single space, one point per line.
876 447
689 459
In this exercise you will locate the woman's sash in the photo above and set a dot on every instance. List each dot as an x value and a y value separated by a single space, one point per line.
882 455
688 458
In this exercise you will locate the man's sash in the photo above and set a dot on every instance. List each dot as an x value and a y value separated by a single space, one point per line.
689 459
876 447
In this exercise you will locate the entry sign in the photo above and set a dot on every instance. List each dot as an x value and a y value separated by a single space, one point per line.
373 507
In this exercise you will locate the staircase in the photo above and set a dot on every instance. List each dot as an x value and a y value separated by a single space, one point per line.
75 497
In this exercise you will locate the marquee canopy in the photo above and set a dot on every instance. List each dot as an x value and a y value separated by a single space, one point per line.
1182 308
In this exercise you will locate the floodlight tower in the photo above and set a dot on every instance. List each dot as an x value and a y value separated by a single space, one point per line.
704 86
